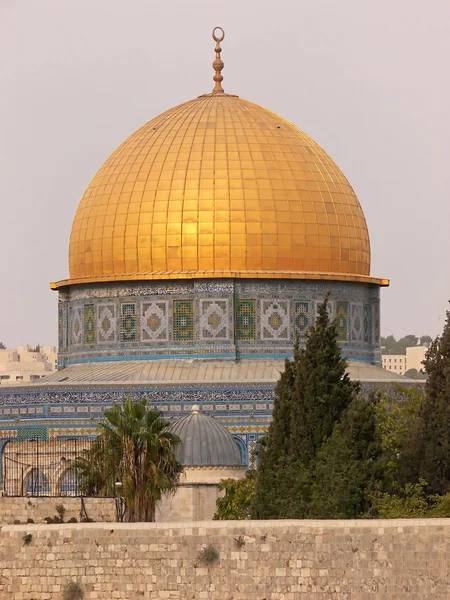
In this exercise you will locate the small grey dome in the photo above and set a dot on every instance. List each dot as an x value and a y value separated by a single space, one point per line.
204 441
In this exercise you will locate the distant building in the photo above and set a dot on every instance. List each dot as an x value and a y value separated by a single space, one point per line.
415 355
396 363
401 363
26 363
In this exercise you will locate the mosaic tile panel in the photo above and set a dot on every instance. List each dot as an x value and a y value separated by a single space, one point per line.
183 320
331 309
32 433
7 433
366 323
376 324
155 321
55 432
356 326
69 327
66 340
274 320
106 323
214 320
128 322
77 326
245 319
61 316
89 324
149 327
252 451
301 318
342 320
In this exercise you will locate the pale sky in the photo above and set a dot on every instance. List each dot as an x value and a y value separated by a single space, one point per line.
368 80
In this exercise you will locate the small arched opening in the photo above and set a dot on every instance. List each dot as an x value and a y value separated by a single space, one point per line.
37 483
69 482
242 449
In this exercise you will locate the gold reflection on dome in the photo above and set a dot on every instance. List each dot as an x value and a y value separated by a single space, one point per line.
218 187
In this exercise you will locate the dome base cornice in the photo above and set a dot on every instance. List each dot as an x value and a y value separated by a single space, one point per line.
165 275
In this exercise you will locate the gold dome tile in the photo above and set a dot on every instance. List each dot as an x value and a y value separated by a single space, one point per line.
219 187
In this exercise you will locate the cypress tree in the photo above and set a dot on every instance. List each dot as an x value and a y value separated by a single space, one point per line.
428 456
311 396
322 388
274 452
350 464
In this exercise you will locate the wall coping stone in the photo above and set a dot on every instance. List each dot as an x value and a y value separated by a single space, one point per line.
243 524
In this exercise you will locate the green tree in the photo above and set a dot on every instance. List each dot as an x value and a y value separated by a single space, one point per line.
392 346
310 397
428 455
408 340
350 464
2 346
274 454
95 477
136 448
387 343
397 413
425 340
236 502
412 502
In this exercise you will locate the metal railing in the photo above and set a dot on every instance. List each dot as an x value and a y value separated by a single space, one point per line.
41 468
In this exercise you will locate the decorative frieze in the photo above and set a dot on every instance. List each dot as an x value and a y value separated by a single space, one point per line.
211 318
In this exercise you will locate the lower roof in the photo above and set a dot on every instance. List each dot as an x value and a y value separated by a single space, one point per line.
184 371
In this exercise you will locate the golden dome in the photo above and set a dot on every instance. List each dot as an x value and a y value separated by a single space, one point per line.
219 187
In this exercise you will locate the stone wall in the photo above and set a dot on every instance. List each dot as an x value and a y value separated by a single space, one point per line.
258 560
23 508
191 502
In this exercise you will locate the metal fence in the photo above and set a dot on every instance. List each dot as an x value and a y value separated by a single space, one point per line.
41 468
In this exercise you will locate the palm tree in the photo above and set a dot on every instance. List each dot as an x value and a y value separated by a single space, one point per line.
136 448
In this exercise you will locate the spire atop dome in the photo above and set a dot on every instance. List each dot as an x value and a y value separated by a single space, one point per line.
218 62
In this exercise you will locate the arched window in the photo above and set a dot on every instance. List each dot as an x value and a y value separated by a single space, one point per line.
242 449
68 483
37 482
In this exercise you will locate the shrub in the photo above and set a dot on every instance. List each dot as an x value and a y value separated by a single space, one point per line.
239 541
16 522
61 510
27 539
48 520
72 520
30 520
209 555
73 591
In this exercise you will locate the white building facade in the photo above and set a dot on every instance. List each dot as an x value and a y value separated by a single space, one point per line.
26 363
401 363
